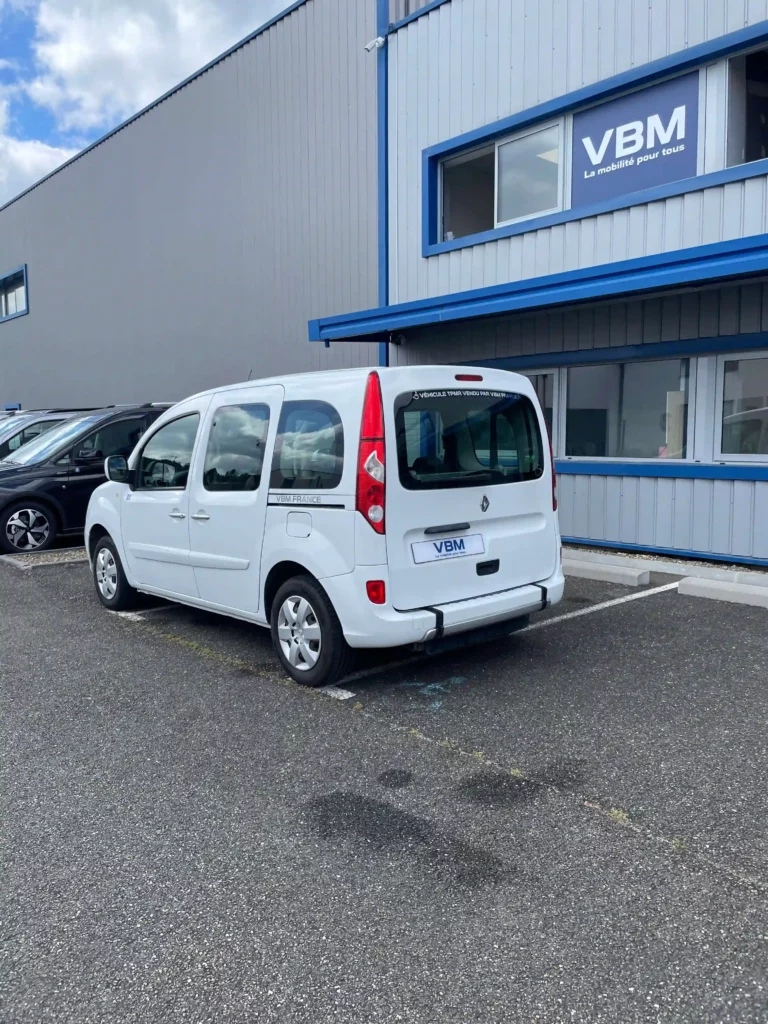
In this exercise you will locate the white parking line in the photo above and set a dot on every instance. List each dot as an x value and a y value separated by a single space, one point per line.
600 607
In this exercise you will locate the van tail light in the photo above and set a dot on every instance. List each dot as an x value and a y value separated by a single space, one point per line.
468 376
371 494
377 591
554 475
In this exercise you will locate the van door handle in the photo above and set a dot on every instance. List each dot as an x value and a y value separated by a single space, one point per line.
201 517
449 528
177 515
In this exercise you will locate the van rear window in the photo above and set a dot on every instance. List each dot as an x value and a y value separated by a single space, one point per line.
464 438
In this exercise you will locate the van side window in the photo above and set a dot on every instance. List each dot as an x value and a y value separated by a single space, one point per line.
454 438
235 453
309 451
166 457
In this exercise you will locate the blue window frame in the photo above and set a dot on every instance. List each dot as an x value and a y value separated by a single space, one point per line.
14 300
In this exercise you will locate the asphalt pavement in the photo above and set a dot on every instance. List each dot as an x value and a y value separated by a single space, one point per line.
567 825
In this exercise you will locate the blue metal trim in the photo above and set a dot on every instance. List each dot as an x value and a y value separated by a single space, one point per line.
397 25
166 95
4 277
645 74
659 468
630 353
683 552
732 259
382 112
649 195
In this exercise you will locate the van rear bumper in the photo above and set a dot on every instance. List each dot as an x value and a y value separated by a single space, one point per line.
369 625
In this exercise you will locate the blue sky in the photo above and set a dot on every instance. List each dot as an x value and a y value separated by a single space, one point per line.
72 69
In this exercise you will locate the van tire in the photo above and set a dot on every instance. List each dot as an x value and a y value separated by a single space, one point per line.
288 620
112 588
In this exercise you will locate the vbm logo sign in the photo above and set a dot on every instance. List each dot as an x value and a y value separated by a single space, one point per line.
632 137
642 140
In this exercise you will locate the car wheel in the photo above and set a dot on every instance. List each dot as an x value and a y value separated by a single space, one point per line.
307 634
27 527
113 589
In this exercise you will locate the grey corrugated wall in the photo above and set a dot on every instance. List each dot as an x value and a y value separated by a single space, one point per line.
470 62
191 248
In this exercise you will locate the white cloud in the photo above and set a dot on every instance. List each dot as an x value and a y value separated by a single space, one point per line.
101 60
24 162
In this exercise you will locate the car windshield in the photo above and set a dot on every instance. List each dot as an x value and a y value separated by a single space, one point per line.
43 447
12 424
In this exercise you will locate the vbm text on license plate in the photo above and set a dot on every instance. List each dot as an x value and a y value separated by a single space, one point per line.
448 547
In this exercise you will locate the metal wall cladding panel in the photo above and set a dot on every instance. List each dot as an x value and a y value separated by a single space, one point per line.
402 8
191 248
470 62
708 313
719 517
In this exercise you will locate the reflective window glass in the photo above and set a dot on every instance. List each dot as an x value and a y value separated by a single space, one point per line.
309 450
235 452
166 457
745 407
529 175
455 438
118 438
628 410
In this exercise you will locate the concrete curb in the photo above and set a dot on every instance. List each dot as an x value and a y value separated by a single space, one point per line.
720 590
43 563
629 576
671 567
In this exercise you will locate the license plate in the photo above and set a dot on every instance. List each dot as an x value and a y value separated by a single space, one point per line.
448 547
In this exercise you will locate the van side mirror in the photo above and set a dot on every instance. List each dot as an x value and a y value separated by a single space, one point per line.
116 469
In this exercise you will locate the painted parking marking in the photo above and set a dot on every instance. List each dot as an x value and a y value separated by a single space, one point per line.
600 607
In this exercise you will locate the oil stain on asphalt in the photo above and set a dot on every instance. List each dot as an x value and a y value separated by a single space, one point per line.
383 828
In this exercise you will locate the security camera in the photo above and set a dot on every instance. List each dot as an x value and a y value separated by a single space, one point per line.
375 44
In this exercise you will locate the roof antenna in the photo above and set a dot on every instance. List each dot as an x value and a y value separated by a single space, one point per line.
250 372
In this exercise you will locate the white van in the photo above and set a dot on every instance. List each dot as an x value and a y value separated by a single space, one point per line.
354 508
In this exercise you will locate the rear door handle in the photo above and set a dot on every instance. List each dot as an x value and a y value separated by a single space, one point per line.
201 517
177 515
449 528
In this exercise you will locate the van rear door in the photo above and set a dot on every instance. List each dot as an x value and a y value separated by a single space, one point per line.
469 492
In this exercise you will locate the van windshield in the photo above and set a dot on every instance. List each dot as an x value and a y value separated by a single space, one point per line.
457 438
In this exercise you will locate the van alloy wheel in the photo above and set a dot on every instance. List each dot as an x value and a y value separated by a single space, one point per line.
27 529
299 632
106 573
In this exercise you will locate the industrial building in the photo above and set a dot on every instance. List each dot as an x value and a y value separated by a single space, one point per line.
576 191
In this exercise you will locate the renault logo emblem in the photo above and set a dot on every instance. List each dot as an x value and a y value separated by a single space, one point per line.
485 503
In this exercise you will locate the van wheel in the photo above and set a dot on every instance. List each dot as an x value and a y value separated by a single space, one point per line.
113 589
307 634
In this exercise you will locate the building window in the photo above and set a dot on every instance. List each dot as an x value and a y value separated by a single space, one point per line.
635 410
545 385
743 407
13 294
748 108
529 175
517 178
468 187
309 450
